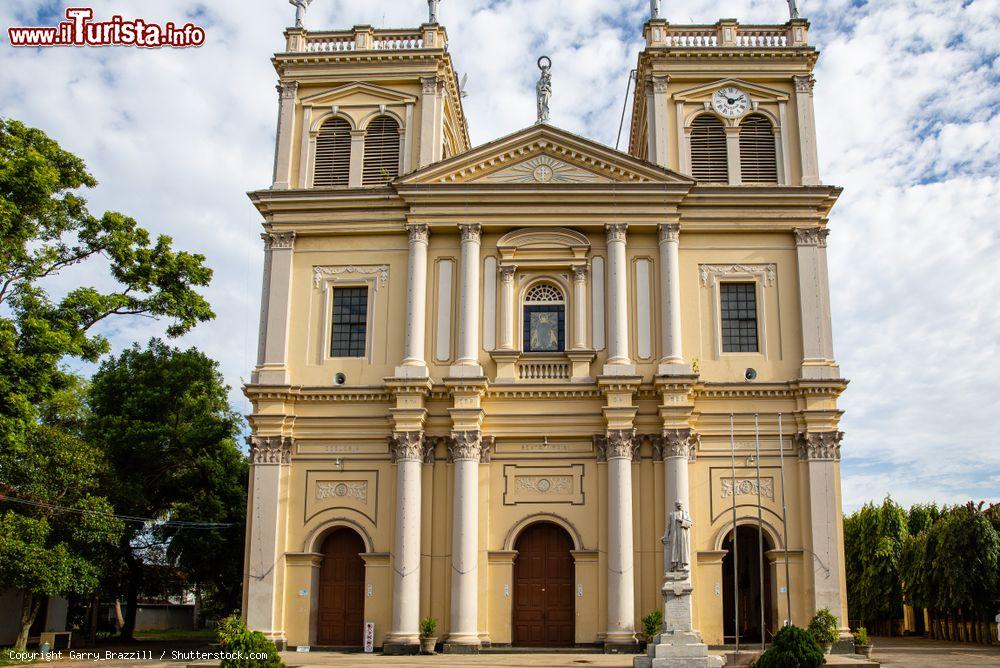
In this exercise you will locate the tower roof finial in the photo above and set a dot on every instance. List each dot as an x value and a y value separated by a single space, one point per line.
544 89
300 10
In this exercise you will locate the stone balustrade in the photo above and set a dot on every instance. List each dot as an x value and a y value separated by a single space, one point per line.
728 33
365 38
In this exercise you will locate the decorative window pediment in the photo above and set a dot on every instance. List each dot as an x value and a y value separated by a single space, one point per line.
704 92
358 94
549 246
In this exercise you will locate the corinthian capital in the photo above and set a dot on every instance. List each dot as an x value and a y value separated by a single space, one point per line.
471 231
821 446
406 446
669 232
270 450
804 83
278 240
811 236
680 443
620 443
507 274
418 233
288 89
465 445
616 231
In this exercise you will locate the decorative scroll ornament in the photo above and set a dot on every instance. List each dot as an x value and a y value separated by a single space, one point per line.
489 444
406 446
747 487
465 445
357 489
544 89
266 450
300 10
620 443
680 443
711 273
381 273
471 231
670 232
418 233
811 236
616 231
821 446
278 240
557 484
601 447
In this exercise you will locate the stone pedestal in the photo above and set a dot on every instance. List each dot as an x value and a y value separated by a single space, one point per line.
679 646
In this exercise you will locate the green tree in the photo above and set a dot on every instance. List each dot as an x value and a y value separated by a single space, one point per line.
54 530
873 543
966 561
162 417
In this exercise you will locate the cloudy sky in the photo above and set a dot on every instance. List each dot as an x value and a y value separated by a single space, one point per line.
907 105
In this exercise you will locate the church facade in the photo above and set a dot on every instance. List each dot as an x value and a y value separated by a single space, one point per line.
488 375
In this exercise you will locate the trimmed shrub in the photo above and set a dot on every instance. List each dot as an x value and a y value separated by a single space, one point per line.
237 639
791 647
823 627
652 623
428 627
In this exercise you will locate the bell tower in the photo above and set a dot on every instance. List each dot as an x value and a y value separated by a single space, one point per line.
360 107
727 103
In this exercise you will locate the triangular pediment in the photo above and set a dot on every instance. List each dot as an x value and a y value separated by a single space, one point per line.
705 91
543 155
358 93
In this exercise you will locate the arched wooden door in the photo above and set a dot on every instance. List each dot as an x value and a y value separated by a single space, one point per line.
753 585
544 610
341 613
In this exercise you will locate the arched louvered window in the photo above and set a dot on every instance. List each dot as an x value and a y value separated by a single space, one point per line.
758 162
544 319
709 161
333 154
381 152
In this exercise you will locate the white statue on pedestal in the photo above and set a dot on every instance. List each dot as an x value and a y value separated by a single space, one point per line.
676 540
654 9
300 10
432 10
793 9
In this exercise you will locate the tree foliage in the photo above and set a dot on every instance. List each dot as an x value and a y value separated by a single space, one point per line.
791 647
162 417
874 538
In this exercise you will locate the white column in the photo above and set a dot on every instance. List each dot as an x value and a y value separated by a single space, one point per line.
621 577
619 363
820 452
262 599
580 308
284 135
672 353
467 363
814 304
465 452
407 451
276 304
507 307
414 364
807 129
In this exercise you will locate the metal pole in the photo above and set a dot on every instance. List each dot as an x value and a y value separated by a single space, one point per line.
736 578
760 529
628 87
784 521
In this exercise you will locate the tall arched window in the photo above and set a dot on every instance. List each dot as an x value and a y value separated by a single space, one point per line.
381 152
709 160
758 163
333 154
544 319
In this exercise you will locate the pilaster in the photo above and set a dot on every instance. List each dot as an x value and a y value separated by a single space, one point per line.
414 365
814 302
287 91
467 364
806 117
275 309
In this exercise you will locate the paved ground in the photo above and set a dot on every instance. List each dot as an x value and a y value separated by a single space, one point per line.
921 653
895 652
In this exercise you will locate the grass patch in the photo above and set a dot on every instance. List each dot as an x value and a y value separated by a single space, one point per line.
206 635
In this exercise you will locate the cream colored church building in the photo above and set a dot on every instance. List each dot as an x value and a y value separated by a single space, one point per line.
486 374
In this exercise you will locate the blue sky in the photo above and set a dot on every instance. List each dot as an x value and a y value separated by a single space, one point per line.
907 102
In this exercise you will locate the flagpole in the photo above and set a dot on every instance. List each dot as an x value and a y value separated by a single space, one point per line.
760 529
784 522
736 579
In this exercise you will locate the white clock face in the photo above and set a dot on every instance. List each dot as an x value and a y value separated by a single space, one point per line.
731 102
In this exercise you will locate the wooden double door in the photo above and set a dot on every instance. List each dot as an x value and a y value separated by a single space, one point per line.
544 609
341 614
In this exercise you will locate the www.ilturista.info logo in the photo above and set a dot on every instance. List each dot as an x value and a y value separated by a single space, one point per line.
79 30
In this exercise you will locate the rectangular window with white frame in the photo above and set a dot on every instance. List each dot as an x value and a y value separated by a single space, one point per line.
737 300
349 329
738 316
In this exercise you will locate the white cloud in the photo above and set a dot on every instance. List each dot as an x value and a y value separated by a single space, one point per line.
907 106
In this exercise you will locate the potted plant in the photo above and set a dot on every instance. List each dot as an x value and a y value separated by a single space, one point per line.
652 624
823 628
428 635
862 645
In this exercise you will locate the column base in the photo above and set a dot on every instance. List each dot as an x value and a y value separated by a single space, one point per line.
618 370
465 371
673 369
631 647
452 647
401 647
411 372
